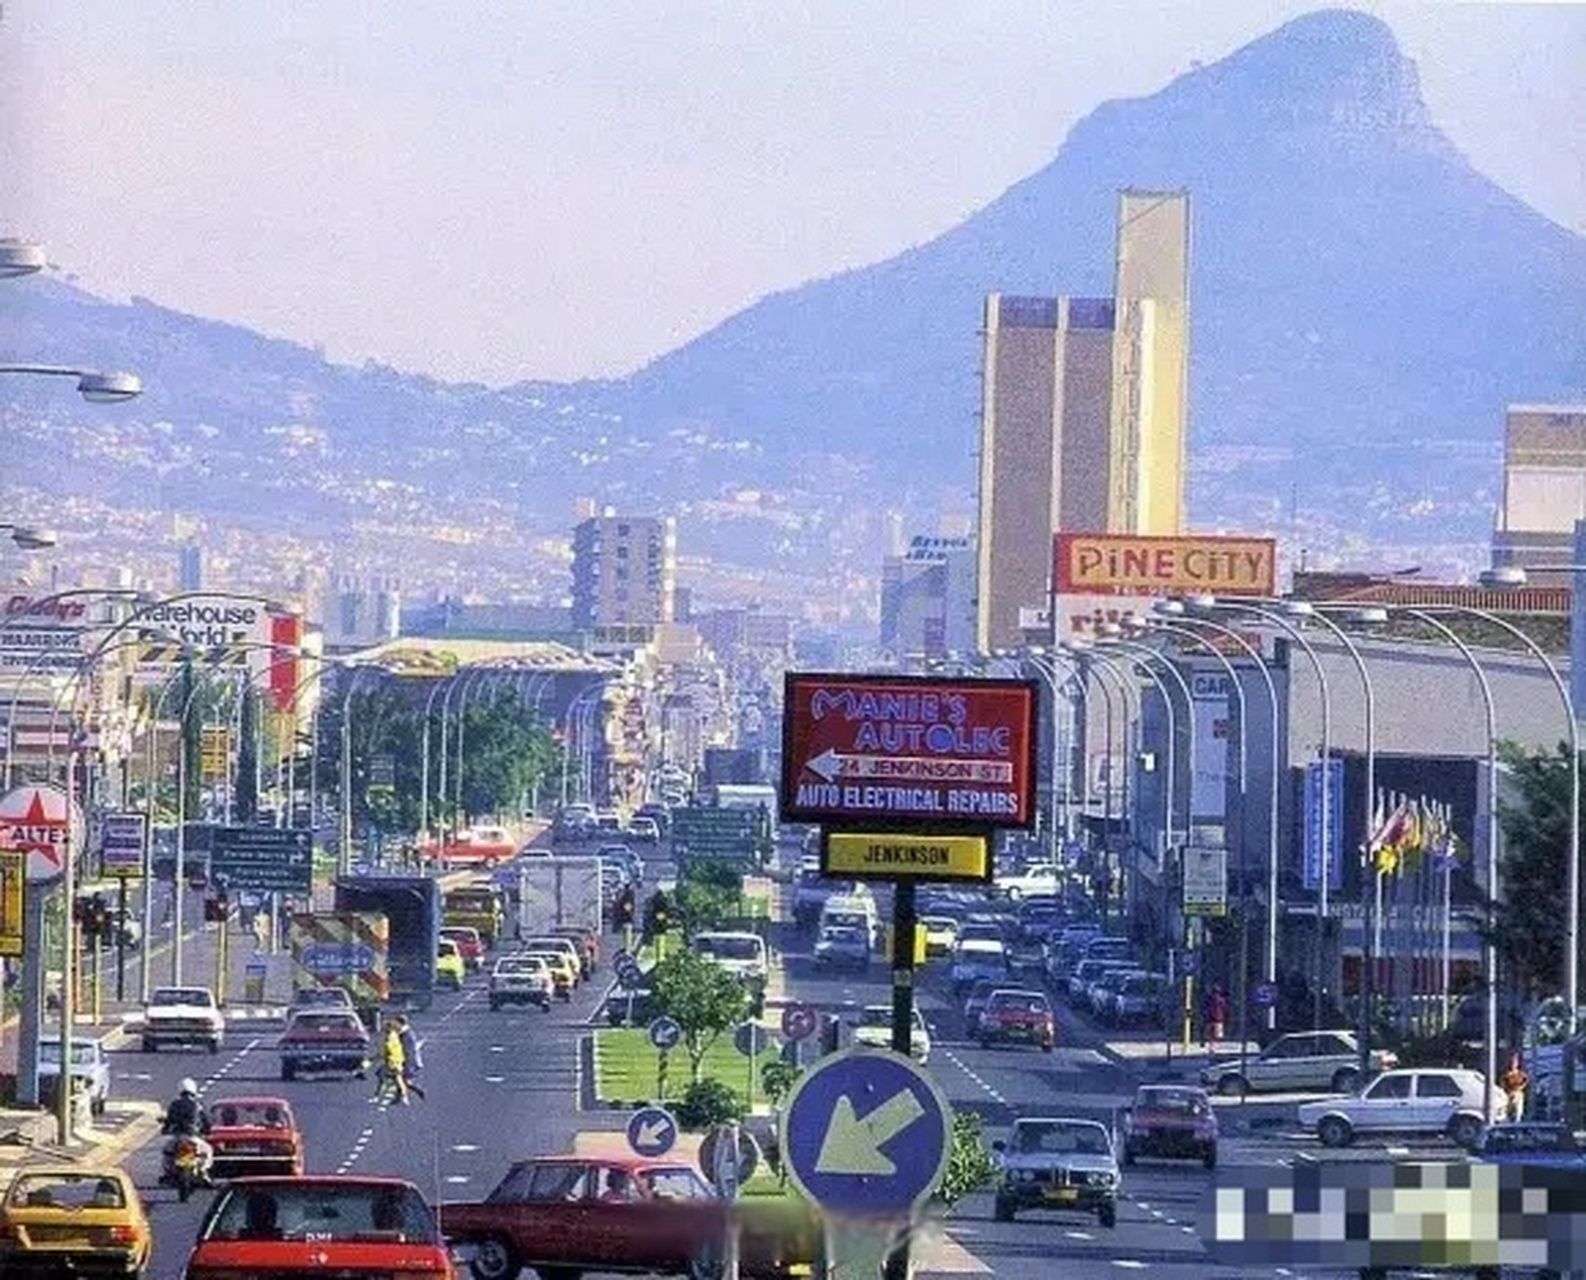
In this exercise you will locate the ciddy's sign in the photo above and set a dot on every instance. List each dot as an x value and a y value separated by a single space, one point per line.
1120 564
908 752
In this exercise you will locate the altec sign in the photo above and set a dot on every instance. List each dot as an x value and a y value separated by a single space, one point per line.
1123 565
863 750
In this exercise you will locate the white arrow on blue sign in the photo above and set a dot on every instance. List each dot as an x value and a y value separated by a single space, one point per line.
665 1033
1265 995
866 1134
652 1132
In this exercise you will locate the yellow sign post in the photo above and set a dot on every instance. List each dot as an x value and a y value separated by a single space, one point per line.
13 901
854 855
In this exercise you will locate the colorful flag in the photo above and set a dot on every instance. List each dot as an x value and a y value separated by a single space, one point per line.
1387 842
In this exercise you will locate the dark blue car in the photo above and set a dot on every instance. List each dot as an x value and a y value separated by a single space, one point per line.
1552 1146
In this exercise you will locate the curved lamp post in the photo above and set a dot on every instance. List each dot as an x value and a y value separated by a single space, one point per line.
32 538
21 258
94 385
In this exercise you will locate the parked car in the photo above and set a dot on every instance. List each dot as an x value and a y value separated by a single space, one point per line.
1448 1101
334 1226
521 980
254 1135
72 1221
566 1215
842 947
90 1070
183 1016
1170 1122
324 1040
1302 1062
1014 1016
1060 1163
874 1031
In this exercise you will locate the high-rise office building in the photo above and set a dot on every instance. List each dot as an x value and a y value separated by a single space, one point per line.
624 572
1083 414
928 598
190 568
1544 488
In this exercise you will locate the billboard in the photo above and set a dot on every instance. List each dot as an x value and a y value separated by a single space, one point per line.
1312 862
1205 881
917 751
1209 786
1083 616
1112 564
42 634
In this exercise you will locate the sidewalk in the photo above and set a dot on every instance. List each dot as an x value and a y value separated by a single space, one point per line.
28 1137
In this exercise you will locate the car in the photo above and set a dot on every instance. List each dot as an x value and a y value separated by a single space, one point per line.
90 1070
588 943
1408 1101
570 1215
810 893
1170 1122
521 980
1039 880
182 1016
874 1031
254 1135
975 1003
941 932
1301 1062
318 1041
1544 1145
451 970
1076 990
645 829
564 971
1099 994
743 955
73 1220
1139 998
622 856
470 944
320 1224
975 959
1060 1163
635 1008
1017 1016
558 944
842 947
321 998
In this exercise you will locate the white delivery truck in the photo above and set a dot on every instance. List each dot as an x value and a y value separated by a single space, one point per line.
555 893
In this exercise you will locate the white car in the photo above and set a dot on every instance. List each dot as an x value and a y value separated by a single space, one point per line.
743 955
1416 1100
874 1031
1042 880
90 1068
182 1015
521 980
941 932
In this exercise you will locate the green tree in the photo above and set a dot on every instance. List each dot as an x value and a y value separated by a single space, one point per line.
703 999
1529 927
970 1165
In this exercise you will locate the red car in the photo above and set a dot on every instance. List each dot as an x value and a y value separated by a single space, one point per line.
470 945
1017 1017
1172 1122
571 1214
254 1136
301 1226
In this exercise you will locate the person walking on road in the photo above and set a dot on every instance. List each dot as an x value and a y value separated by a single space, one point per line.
393 1067
412 1060
1515 1082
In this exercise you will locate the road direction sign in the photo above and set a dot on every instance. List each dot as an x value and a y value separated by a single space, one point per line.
652 1132
262 859
728 1157
716 834
337 959
123 837
866 1134
1265 994
751 1039
665 1033
799 1022
627 969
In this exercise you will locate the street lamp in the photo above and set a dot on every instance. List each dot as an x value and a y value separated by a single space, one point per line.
1045 663
20 258
30 538
1077 653
94 385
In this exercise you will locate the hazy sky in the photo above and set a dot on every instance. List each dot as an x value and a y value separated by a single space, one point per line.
531 188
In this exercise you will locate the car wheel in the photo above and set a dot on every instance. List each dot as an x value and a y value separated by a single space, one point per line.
288 1071
1346 1080
214 1046
494 1004
1335 1131
1013 892
1465 1130
1107 1215
1002 1211
150 1046
1233 1086
496 1259
1210 1158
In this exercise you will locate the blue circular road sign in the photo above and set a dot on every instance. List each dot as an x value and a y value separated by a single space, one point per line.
652 1132
866 1134
1264 994
665 1033
750 1039
1190 961
799 1022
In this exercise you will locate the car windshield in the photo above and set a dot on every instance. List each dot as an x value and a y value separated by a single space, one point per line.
166 997
326 1022
1180 1101
728 948
446 948
846 919
520 964
1020 1002
83 1055
1041 1137
67 1191
251 1114
323 1212
843 936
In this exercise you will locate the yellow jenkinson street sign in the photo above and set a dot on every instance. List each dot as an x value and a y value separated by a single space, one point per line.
13 900
907 857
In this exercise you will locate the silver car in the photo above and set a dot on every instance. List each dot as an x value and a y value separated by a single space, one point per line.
1304 1062
90 1068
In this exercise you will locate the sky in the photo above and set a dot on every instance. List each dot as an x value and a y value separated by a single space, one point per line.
560 189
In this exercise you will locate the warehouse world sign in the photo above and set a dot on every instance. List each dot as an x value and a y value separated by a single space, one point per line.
892 749
1120 564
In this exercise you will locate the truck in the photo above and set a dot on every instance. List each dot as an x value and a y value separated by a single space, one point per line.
478 905
411 905
345 951
555 893
478 847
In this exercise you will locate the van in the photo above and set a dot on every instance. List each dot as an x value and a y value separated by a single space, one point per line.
851 911
743 955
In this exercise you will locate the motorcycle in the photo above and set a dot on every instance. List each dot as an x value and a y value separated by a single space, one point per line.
187 1162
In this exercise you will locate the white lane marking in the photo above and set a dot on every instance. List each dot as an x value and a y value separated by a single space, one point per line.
1079 1235
1189 1231
498 1048
1133 1264
457 1179
465 1147
495 1079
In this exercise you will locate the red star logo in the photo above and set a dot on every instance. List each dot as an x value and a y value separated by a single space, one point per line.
33 820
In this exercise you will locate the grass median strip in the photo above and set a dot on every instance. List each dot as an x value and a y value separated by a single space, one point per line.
626 1067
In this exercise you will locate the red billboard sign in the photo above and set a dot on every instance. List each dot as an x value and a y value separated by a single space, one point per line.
908 751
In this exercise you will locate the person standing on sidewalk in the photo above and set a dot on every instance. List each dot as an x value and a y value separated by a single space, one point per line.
1216 1014
412 1059
1515 1082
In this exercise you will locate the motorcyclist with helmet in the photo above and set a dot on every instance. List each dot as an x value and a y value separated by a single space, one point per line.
186 1120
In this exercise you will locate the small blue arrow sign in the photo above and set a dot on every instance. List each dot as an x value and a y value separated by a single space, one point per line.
799 1022
652 1132
1190 962
866 1134
750 1039
629 974
1264 994
665 1033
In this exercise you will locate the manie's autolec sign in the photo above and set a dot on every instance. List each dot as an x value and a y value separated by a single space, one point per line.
904 751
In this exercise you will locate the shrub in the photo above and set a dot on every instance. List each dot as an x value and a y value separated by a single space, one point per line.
970 1164
706 1103
777 1079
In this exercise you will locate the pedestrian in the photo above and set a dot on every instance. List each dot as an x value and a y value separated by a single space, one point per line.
393 1067
1515 1082
1216 1014
412 1060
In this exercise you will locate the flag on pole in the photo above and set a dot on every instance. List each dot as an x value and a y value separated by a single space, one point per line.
1386 843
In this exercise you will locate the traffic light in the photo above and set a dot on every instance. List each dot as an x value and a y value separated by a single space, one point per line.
217 910
657 916
625 906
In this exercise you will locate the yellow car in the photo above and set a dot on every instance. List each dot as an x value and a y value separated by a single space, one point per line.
450 968
564 973
71 1221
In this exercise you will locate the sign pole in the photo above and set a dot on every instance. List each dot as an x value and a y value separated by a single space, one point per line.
121 938
220 959
63 1094
32 1022
904 921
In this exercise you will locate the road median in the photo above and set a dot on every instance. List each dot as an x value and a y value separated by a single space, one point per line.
626 1068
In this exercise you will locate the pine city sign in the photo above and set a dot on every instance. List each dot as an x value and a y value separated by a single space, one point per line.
863 750
1123 564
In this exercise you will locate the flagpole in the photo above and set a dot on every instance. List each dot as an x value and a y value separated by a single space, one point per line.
1445 844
